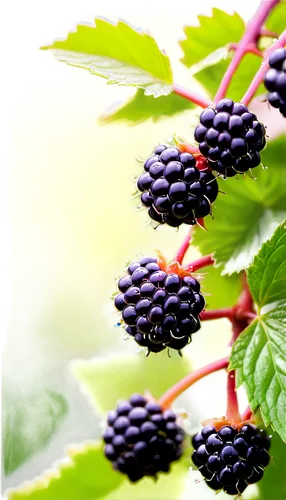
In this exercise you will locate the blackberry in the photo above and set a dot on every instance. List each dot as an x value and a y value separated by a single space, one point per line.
275 80
230 459
230 137
174 190
141 439
159 309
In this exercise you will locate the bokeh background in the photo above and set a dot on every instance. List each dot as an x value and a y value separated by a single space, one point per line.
70 224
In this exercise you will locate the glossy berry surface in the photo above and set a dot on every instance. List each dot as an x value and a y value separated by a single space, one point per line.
160 310
275 80
230 137
230 459
174 190
141 439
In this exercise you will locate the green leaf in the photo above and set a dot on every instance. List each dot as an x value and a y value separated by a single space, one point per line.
84 474
220 291
276 20
259 355
211 76
273 486
141 107
108 379
119 53
247 215
214 32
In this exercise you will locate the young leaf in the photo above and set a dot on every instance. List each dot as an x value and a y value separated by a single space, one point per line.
247 215
259 356
132 373
84 474
119 53
214 32
141 107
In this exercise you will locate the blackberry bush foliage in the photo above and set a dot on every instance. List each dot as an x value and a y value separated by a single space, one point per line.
160 303
142 440
159 308
174 190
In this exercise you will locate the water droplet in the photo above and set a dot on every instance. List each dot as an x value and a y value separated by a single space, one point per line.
128 338
197 481
112 312
139 160
118 324
139 208
134 195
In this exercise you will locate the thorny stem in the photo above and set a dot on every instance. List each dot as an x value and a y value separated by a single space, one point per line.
263 69
183 248
198 99
167 399
232 410
250 36
205 261
252 49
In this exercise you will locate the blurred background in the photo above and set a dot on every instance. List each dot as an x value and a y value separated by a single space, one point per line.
70 223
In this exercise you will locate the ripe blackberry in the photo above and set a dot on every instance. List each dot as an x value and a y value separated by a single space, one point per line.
160 309
230 137
231 458
174 190
275 80
141 439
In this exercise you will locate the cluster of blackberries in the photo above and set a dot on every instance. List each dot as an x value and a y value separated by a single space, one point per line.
160 310
174 190
275 80
230 459
230 137
142 440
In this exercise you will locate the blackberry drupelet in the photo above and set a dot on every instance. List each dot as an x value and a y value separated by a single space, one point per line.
275 80
141 439
159 309
231 458
174 190
230 137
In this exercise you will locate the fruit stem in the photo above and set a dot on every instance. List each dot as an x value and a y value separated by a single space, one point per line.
217 314
247 414
198 99
263 69
167 399
250 36
205 261
232 410
183 248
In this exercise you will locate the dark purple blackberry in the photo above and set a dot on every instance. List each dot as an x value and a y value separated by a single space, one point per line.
174 190
230 137
275 80
230 459
141 439
159 309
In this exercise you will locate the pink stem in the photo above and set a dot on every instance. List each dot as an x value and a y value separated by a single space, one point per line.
167 399
217 314
263 69
250 49
246 415
266 32
250 36
184 247
207 260
201 101
232 411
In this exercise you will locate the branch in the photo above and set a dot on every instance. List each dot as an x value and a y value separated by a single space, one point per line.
184 247
201 101
263 69
207 260
250 36
246 415
232 411
217 314
167 399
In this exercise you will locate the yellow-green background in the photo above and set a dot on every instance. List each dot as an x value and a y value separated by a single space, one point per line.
69 221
